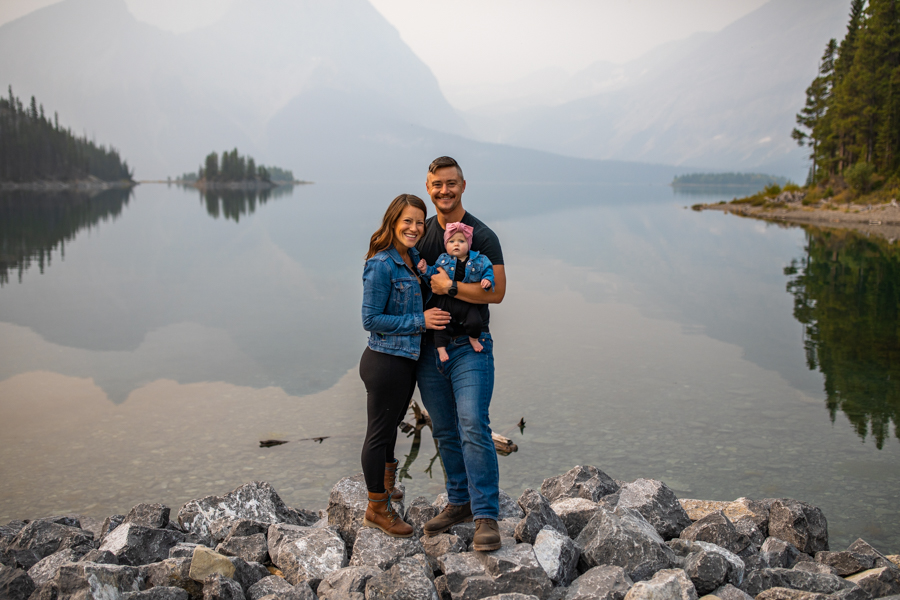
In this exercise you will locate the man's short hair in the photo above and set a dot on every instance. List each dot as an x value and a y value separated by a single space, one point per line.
445 161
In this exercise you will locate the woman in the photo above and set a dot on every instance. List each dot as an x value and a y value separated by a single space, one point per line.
392 311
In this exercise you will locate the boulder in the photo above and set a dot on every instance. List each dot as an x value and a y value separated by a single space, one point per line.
513 596
575 513
707 570
469 576
657 504
736 569
306 553
845 563
134 544
668 584
343 583
777 553
729 592
606 582
10 530
814 567
408 579
110 523
217 587
375 548
538 515
878 582
780 593
419 512
97 582
271 585
717 529
47 568
754 533
103 557
799 523
580 482
205 562
157 593
558 555
173 572
182 550
757 582
860 546
464 531
509 508
154 516
15 584
247 573
347 504
438 545
625 539
252 548
742 508
42 538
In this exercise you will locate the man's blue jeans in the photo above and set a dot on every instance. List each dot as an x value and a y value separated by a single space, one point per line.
457 395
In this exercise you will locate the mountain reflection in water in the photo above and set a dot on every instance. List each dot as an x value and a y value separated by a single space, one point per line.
847 294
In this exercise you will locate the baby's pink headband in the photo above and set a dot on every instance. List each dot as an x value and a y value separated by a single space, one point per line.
462 228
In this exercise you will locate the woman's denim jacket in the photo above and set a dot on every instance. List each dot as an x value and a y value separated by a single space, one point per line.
478 267
393 307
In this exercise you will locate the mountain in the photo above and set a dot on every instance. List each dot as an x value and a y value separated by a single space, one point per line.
725 100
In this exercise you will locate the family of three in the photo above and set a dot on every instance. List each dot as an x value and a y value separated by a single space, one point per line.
426 286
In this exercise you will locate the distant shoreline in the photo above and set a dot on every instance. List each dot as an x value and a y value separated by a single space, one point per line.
237 185
79 185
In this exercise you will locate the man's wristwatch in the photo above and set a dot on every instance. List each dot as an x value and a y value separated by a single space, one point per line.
453 290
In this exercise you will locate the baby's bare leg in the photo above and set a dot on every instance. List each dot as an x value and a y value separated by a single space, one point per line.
476 344
442 354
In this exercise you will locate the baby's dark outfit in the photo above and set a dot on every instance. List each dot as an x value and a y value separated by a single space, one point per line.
464 316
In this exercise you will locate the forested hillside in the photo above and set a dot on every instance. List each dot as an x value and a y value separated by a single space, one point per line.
851 120
34 148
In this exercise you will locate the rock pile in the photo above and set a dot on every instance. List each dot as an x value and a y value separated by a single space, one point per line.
582 536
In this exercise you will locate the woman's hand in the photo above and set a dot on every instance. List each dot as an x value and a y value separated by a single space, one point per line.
436 318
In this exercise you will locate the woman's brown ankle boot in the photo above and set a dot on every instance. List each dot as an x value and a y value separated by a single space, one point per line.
390 480
381 514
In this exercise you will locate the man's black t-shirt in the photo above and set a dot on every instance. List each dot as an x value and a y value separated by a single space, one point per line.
484 240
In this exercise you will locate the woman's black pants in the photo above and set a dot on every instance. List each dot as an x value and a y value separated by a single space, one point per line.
390 381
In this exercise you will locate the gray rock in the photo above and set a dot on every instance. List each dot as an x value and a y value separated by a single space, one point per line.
752 530
606 582
778 553
512 597
375 548
815 567
306 553
257 501
558 555
47 568
266 586
624 539
15 584
247 573
729 592
110 523
656 503
469 576
340 584
508 527
407 579
419 512
780 593
173 572
580 482
98 582
575 513
154 516
464 531
668 584
182 550
10 530
217 587
347 504
845 563
860 546
103 557
438 545
42 538
717 529
135 544
538 515
878 582
799 523
157 593
737 567
509 508
707 570
759 581
252 548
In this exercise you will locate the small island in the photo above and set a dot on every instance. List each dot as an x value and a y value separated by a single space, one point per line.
236 172
37 154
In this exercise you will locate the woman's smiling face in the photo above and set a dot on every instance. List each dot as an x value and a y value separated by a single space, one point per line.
409 228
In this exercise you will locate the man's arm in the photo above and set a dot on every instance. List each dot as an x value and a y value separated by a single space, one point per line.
472 292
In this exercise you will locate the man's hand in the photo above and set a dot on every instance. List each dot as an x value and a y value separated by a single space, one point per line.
436 318
485 284
440 282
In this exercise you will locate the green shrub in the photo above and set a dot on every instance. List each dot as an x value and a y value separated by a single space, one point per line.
790 187
859 176
772 190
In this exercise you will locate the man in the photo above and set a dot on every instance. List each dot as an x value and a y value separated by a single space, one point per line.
457 393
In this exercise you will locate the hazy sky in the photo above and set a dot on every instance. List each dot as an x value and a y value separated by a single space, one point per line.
493 41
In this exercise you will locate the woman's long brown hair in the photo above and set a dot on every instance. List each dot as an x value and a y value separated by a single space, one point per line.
384 237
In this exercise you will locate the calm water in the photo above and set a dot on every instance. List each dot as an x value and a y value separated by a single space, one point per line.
149 341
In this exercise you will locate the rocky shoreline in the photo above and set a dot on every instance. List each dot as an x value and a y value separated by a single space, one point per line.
92 184
583 536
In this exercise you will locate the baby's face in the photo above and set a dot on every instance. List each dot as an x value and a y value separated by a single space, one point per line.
457 246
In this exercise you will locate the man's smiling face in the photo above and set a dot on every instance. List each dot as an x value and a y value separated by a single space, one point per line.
446 188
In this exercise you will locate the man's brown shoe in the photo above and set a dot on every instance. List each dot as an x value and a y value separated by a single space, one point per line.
381 514
487 535
450 516
390 480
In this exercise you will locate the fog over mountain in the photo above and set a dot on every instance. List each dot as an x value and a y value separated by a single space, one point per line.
725 100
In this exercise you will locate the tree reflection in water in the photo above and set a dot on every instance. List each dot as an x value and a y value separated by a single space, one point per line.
233 203
847 295
35 224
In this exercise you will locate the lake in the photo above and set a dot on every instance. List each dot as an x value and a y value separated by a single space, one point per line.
149 340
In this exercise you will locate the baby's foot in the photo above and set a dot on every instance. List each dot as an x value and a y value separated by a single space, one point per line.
476 344
442 354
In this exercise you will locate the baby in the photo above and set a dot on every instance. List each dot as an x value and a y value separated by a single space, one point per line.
461 266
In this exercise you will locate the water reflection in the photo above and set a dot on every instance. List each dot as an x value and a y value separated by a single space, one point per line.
847 294
235 203
35 224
